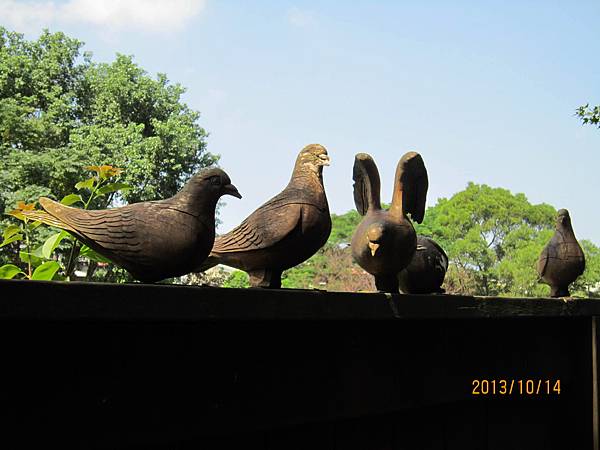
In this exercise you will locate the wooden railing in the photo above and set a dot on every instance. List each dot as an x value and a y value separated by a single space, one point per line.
89 365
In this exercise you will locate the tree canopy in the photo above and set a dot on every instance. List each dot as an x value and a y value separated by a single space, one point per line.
60 112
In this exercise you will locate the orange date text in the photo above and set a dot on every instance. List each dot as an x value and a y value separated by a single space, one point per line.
527 387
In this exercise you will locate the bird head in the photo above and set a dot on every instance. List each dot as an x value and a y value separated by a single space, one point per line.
563 218
313 157
214 182
375 237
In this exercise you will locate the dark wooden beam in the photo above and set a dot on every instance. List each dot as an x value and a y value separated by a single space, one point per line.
100 301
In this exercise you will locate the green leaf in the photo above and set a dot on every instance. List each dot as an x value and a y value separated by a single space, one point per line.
87 184
31 258
52 242
11 230
46 271
113 187
70 199
93 255
10 240
9 271
33 225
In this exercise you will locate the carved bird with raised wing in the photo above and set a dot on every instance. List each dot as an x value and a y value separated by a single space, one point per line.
562 260
151 240
285 231
385 241
427 269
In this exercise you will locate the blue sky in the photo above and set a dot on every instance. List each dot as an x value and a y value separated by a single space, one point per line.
485 91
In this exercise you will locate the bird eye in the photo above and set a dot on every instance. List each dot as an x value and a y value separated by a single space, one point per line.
215 181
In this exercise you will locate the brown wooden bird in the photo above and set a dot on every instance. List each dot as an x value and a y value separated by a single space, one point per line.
151 240
427 269
285 231
385 241
562 260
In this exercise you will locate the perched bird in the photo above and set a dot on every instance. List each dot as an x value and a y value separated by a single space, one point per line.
427 269
151 240
385 241
562 260
285 231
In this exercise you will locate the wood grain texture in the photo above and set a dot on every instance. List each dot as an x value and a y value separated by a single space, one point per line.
152 240
283 232
562 261
384 242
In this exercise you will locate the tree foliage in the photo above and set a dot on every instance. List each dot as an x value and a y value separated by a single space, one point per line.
589 115
482 227
60 112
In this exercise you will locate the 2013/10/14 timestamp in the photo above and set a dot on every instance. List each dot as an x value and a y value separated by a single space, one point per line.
515 387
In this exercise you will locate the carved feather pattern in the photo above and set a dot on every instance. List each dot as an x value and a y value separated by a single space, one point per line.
265 227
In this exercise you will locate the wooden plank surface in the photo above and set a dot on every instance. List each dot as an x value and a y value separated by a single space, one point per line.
98 301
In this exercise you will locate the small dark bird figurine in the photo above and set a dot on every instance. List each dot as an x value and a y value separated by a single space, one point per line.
562 260
151 240
427 269
385 241
285 231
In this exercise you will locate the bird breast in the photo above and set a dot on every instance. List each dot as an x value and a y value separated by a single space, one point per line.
396 246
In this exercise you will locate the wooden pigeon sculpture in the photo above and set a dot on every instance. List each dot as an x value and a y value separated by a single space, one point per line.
427 269
285 231
385 241
562 260
151 240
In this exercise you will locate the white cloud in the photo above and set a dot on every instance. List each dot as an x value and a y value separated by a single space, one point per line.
301 18
143 15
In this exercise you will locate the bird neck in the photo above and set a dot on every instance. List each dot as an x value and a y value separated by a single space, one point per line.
306 177
194 202
566 232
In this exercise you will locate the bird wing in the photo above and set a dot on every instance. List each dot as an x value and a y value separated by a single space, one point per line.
265 227
412 181
366 184
542 262
109 231
443 255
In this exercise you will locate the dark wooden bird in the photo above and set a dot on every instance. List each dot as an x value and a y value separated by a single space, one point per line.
385 241
285 231
562 260
151 240
427 269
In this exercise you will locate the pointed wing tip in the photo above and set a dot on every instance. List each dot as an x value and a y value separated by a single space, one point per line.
44 201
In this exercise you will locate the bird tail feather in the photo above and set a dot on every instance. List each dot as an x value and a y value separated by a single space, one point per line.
44 217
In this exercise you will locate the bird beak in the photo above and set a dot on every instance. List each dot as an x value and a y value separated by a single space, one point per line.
373 246
232 190
325 159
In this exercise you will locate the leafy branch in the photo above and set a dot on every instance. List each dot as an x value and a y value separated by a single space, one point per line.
44 263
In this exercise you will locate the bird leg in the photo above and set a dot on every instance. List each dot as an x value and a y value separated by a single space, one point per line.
387 283
559 291
265 278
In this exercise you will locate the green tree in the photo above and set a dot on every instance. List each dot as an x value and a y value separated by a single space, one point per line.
589 115
482 227
60 112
